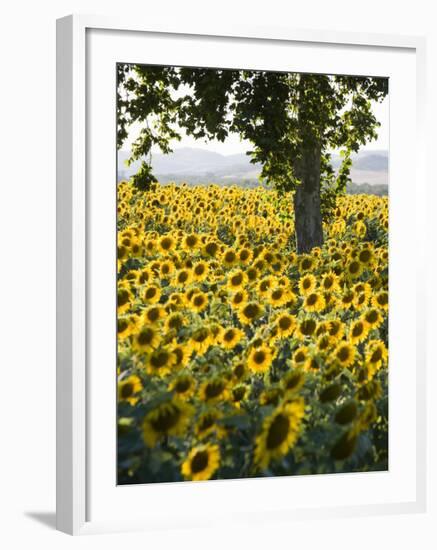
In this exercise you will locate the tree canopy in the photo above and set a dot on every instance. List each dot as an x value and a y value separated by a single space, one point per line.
292 120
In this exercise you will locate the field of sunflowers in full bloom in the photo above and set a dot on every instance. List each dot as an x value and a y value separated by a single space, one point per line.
238 357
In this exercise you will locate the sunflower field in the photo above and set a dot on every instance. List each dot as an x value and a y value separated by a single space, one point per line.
238 357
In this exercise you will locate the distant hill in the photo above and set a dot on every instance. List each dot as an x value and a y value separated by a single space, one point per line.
195 165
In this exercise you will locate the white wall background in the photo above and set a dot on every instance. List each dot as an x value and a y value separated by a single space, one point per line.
27 232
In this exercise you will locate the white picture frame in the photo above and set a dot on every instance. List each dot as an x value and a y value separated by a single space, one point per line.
74 462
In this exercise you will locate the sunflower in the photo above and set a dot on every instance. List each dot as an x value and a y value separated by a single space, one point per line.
279 433
285 324
210 249
307 284
126 326
305 328
293 380
201 340
182 354
271 395
129 388
280 296
265 285
153 314
183 277
124 299
213 390
170 418
201 463
200 271
190 242
336 329
380 300
245 255
347 298
250 312
314 302
260 359
183 385
160 361
151 294
166 244
366 257
175 321
301 357
147 339
325 342
358 331
238 394
230 337
236 280
144 276
344 354
306 263
208 424
199 301
354 269
372 318
330 282
376 355
229 257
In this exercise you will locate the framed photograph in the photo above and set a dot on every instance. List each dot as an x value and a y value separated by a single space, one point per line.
239 275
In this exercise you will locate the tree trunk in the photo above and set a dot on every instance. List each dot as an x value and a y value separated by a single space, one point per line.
307 212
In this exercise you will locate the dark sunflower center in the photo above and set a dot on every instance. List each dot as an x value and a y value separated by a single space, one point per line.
307 327
191 240
166 244
229 257
239 370
376 356
153 314
182 385
244 255
199 269
357 330
251 311
292 381
229 335
306 264
354 267
312 299
265 285
343 353
206 422
150 293
364 256
284 323
259 357
179 355
122 325
122 297
182 277
199 462
236 280
198 300
383 299
211 249
166 419
127 390
159 359
213 389
145 337
200 336
278 431
300 357
306 283
372 316
328 282
277 294
238 393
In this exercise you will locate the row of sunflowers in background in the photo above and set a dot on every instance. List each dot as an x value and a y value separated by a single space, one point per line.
236 356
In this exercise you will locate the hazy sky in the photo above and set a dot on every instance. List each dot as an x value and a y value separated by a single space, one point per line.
234 145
